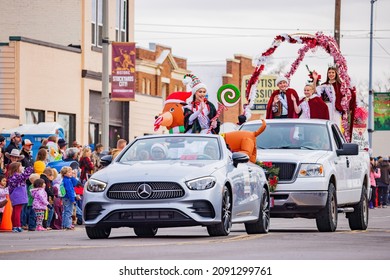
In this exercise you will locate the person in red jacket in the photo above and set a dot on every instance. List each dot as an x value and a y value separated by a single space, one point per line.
280 104
311 106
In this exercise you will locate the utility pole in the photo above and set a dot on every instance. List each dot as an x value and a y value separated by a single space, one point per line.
337 14
105 79
370 92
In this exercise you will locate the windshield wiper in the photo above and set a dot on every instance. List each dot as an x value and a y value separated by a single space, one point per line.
308 147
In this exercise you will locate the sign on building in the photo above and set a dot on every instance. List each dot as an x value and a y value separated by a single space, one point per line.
265 87
123 71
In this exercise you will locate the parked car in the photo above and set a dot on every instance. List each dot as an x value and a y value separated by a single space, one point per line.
176 180
320 174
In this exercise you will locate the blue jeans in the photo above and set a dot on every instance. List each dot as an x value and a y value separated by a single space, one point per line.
67 213
28 217
32 224
50 215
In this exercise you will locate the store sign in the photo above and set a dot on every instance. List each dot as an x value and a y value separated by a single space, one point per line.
265 88
123 71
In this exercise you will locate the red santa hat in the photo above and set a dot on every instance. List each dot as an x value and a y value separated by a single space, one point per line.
177 97
194 82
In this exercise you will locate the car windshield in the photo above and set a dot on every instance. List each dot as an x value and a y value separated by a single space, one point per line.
173 148
291 136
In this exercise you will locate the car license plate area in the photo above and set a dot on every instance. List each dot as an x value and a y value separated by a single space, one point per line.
147 215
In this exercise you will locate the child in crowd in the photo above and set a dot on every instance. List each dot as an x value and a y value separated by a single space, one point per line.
69 199
17 188
40 202
47 176
3 195
31 219
57 219
375 172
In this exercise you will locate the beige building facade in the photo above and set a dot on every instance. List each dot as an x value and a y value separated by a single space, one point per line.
51 69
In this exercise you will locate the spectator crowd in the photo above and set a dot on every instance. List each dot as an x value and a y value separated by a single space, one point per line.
46 192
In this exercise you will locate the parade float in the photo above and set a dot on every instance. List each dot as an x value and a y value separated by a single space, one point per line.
312 43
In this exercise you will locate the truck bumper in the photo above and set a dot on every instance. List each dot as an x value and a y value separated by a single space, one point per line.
297 204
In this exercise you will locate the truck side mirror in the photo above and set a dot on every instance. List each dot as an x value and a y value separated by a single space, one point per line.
348 149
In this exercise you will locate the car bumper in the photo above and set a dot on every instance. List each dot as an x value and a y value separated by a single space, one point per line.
297 204
159 213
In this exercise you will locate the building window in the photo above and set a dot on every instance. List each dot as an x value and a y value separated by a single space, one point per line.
34 116
68 122
121 21
97 23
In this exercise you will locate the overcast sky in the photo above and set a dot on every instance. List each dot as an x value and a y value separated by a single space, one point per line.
208 32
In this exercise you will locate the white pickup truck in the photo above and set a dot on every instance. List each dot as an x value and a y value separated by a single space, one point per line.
320 174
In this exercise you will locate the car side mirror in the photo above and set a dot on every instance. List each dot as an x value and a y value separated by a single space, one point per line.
348 149
106 160
239 158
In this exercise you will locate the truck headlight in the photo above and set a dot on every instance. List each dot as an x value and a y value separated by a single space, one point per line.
311 170
94 185
201 183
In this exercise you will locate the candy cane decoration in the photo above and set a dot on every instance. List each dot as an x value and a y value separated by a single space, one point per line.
227 96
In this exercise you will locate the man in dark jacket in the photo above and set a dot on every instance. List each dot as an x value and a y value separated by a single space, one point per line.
26 151
16 139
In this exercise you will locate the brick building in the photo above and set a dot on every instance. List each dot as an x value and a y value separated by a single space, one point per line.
51 69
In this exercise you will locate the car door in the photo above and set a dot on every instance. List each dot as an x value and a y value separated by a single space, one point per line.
245 194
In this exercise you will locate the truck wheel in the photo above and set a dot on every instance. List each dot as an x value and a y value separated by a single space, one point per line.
327 218
358 219
262 224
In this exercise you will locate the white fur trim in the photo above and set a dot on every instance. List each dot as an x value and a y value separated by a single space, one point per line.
198 86
281 78
174 101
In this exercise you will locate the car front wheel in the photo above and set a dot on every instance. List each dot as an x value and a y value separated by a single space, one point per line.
223 228
327 218
98 233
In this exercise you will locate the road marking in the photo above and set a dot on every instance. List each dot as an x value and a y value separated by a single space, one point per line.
243 237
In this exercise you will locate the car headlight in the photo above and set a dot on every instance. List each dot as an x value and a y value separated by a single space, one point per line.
94 185
311 170
201 183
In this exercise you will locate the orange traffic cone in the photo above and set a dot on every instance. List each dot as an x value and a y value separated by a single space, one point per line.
6 223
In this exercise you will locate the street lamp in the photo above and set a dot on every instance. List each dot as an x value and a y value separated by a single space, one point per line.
370 93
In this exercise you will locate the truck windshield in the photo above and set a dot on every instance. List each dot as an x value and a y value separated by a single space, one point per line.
291 136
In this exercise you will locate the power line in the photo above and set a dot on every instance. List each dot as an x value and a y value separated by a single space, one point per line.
253 28
223 35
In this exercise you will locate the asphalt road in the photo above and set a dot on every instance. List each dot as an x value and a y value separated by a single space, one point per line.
288 239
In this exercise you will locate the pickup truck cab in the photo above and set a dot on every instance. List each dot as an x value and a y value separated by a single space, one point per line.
320 174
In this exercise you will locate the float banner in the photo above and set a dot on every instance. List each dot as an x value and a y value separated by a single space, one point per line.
265 88
381 110
123 71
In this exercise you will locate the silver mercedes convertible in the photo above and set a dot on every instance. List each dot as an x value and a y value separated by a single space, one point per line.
176 180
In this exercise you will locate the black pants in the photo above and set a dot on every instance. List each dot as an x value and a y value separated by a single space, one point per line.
382 195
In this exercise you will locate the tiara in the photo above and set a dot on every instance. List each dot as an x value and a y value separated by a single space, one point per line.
333 66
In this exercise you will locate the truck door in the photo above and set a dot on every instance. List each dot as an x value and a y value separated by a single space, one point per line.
343 168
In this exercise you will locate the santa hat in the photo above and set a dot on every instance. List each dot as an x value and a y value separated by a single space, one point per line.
281 78
177 97
194 82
